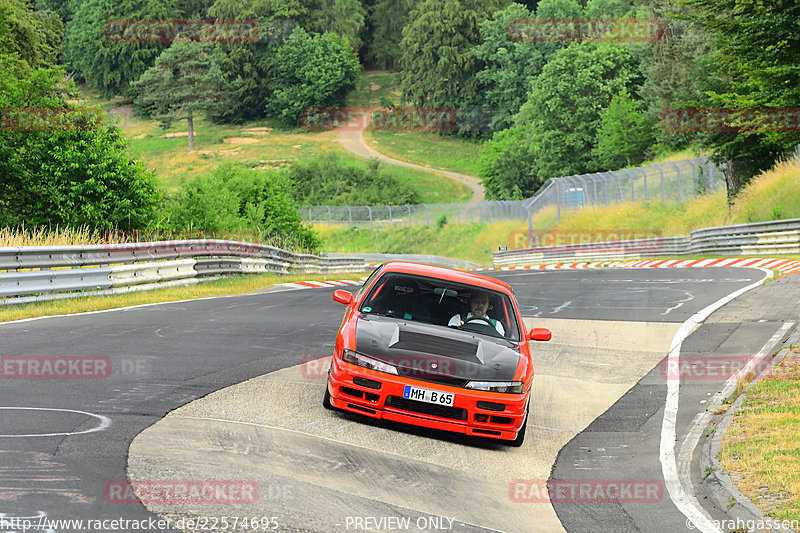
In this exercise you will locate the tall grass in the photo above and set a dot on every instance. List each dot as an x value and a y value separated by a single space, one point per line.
63 236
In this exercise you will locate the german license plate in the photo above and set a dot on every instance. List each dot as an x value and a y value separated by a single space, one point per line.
429 396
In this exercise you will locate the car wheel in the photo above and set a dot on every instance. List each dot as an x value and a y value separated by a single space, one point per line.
516 443
326 399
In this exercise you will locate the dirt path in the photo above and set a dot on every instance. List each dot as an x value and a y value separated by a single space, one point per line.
352 139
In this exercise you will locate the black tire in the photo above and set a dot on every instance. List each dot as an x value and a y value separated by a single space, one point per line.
516 443
326 399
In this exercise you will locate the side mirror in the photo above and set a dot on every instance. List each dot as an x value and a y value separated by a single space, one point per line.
540 334
343 297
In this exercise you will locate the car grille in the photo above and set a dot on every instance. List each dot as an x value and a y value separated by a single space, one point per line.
442 411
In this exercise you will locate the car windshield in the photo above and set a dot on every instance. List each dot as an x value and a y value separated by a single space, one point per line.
444 303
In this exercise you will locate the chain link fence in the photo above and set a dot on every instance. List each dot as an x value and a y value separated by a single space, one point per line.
674 181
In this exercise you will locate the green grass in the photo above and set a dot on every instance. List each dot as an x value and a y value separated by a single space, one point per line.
773 195
428 149
472 241
762 445
261 144
371 86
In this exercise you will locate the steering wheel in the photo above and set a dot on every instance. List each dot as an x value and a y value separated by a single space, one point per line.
479 320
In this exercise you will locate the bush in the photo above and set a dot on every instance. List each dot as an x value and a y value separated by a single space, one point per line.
331 180
234 198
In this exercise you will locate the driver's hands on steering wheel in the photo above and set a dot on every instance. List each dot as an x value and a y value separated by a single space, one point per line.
473 319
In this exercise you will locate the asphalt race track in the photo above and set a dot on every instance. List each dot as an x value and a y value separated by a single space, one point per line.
599 400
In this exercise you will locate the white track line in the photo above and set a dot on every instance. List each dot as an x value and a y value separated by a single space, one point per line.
685 501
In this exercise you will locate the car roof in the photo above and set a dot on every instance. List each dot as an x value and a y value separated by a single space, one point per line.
450 274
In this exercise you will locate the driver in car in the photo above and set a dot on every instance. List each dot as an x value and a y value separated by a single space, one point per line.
478 304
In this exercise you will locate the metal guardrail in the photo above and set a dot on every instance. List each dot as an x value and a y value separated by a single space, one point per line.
52 272
777 237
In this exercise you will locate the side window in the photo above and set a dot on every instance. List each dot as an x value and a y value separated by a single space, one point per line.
369 280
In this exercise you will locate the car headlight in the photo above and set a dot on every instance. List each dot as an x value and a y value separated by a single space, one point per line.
349 356
510 387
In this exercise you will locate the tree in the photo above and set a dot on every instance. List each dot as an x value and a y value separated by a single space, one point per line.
508 66
438 61
104 64
185 80
625 134
75 171
508 165
556 129
310 71
756 44
252 62
345 18
32 36
678 69
387 19
562 113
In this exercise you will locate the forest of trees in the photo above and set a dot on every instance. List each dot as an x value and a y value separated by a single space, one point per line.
542 109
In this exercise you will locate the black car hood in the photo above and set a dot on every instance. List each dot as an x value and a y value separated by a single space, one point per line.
436 353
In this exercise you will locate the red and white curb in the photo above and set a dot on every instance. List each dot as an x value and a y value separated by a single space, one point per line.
784 266
318 284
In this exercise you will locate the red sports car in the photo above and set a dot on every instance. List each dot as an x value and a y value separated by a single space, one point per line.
434 347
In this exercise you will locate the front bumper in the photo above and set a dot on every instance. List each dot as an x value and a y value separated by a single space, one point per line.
380 396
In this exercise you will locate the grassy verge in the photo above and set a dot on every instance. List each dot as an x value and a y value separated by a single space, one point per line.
761 449
473 241
428 149
773 195
221 287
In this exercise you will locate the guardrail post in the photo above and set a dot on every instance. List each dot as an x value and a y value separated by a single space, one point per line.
330 217
391 220
350 215
409 214
369 209
427 215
